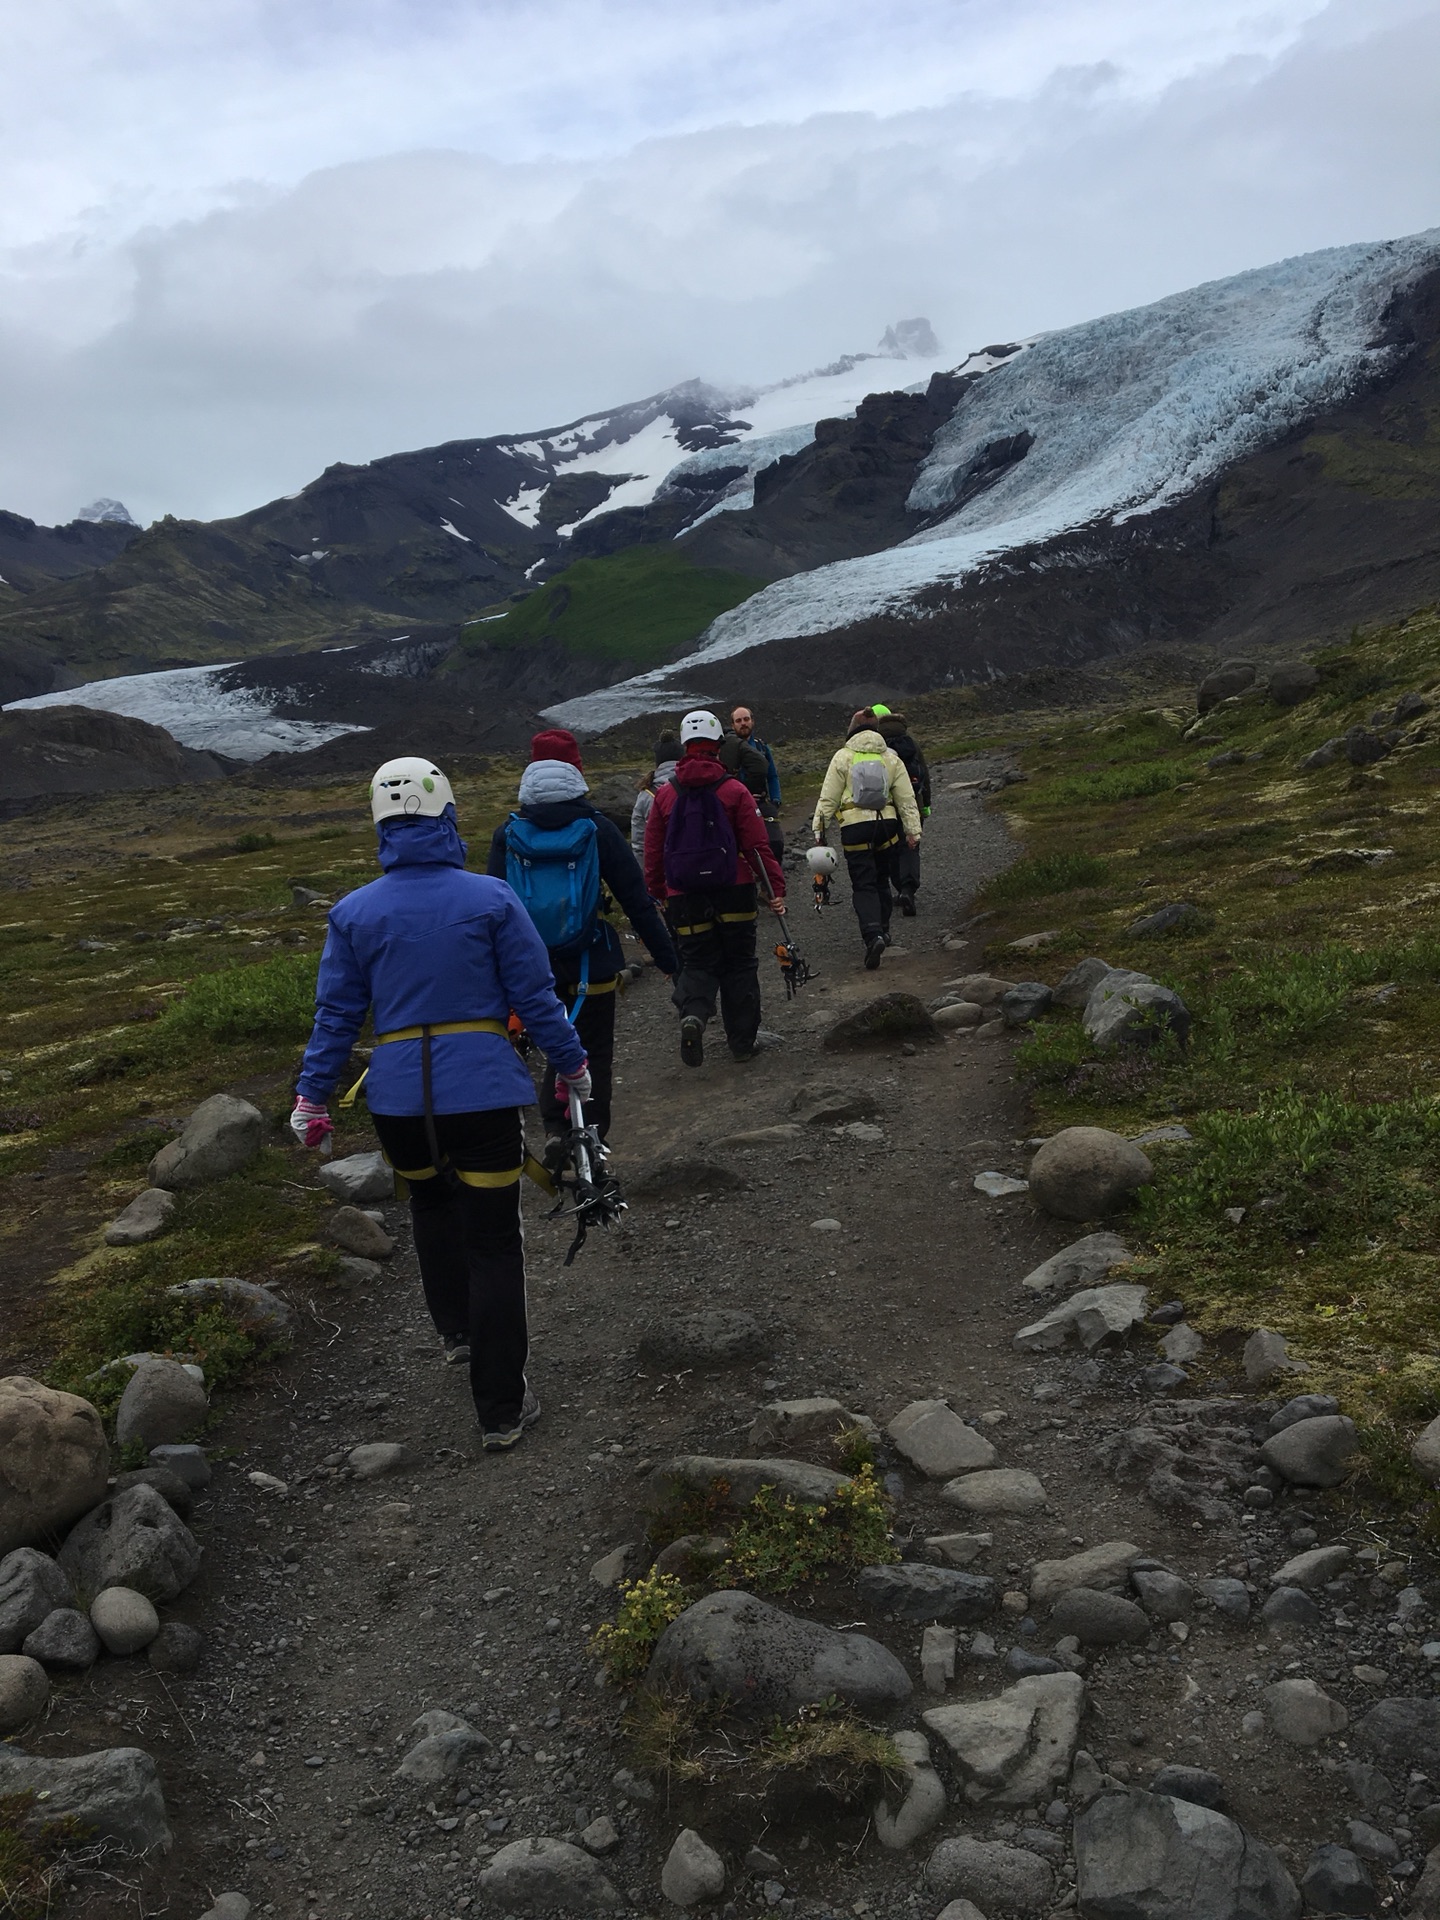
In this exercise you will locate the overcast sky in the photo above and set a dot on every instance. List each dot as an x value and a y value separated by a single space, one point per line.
243 239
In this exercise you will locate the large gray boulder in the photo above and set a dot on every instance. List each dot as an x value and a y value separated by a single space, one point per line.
221 1136
253 1307
1083 1173
1146 1856
934 1438
32 1586
998 1878
1080 982
698 1473
1016 1749
1084 1263
1134 1013
1313 1453
163 1402
734 1647
114 1794
1225 682
54 1460
134 1539
923 1594
358 1178
538 1876
1292 682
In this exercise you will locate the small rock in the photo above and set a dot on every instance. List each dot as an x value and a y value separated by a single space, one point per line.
923 1806
937 1658
1015 1749
759 1137
1228 1596
1426 1452
358 1178
1335 1881
255 1308
914 1592
64 1642
125 1620
1266 1354
959 1549
162 1402
601 1836
998 1186
736 1646
1305 1406
1099 1619
1403 1732
1163 1595
1001 1490
1161 1377
357 1233
935 1439
1312 1569
999 1878
693 1871
378 1457
32 1586
958 1014
1182 1345
440 1756
1094 1315
1025 1002
784 1425
536 1876
186 1461
1083 1173
1126 1010
1079 1265
714 1337
24 1690
146 1218
1196 1784
1081 981
1022 1665
1176 913
1106 1567
1313 1453
697 1473
176 1648
1148 1856
222 1136
1290 1607
1371 1844
985 989
1225 682
890 1018
609 1571
1302 1713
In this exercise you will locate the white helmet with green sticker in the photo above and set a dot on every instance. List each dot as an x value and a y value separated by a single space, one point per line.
409 789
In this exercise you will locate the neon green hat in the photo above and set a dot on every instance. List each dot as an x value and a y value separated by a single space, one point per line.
880 713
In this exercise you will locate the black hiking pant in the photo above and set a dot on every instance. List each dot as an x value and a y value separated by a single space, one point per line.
907 868
595 1025
869 849
715 937
470 1242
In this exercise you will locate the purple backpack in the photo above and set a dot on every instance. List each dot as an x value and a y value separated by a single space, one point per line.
700 850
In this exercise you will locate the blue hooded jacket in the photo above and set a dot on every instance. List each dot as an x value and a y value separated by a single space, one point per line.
429 943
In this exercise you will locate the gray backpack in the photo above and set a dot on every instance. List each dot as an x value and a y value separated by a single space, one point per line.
869 782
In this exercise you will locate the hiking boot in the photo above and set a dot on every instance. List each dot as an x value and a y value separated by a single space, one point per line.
907 905
692 1040
874 950
457 1349
744 1053
500 1439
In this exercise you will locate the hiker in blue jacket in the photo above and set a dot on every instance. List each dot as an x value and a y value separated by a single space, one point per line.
440 956
555 825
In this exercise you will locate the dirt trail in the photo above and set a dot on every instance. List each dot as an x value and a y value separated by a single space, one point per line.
340 1610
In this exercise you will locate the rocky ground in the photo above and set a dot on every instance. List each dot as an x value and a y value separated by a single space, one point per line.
338 1609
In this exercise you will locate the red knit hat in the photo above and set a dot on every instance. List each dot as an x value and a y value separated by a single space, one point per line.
556 744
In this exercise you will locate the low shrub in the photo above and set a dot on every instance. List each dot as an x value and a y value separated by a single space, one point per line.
780 1543
1048 873
267 1000
647 1606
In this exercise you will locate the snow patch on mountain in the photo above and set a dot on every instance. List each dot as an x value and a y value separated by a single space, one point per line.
1126 414
105 510
196 710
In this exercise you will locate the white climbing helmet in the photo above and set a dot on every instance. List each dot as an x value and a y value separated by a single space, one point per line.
408 789
701 725
821 860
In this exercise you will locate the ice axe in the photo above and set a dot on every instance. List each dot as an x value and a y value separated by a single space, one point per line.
597 1198
795 970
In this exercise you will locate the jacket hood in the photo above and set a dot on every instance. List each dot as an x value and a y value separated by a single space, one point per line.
867 741
544 781
664 769
700 770
425 842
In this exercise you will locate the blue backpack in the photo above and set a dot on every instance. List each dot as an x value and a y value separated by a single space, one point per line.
556 873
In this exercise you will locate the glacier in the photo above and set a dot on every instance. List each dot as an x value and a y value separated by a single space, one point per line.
1128 414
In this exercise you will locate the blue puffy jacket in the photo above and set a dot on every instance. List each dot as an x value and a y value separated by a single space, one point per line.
429 943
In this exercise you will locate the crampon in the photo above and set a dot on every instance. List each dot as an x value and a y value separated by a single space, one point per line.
587 1191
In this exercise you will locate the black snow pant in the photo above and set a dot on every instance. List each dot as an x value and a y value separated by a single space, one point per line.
470 1242
869 849
775 834
595 1025
907 868
715 937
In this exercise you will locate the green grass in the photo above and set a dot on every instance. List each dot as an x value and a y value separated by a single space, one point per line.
1048 873
271 1000
643 605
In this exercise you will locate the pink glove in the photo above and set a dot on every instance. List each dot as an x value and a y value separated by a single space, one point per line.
311 1124
579 1081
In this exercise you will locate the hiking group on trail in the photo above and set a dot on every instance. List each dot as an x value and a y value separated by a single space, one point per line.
454 968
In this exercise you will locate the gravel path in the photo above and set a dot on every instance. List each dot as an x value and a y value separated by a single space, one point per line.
340 1610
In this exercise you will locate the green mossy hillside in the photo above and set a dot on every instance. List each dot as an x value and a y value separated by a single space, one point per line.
642 606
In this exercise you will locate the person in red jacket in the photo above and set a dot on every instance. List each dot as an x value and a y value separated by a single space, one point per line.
705 844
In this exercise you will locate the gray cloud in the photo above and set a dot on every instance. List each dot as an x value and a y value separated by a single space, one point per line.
202 363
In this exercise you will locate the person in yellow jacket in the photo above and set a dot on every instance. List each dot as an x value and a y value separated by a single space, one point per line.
868 791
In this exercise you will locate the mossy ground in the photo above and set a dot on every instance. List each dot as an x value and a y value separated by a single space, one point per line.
1312 970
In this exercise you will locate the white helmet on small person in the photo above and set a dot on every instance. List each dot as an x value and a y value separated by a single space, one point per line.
700 725
821 860
409 789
